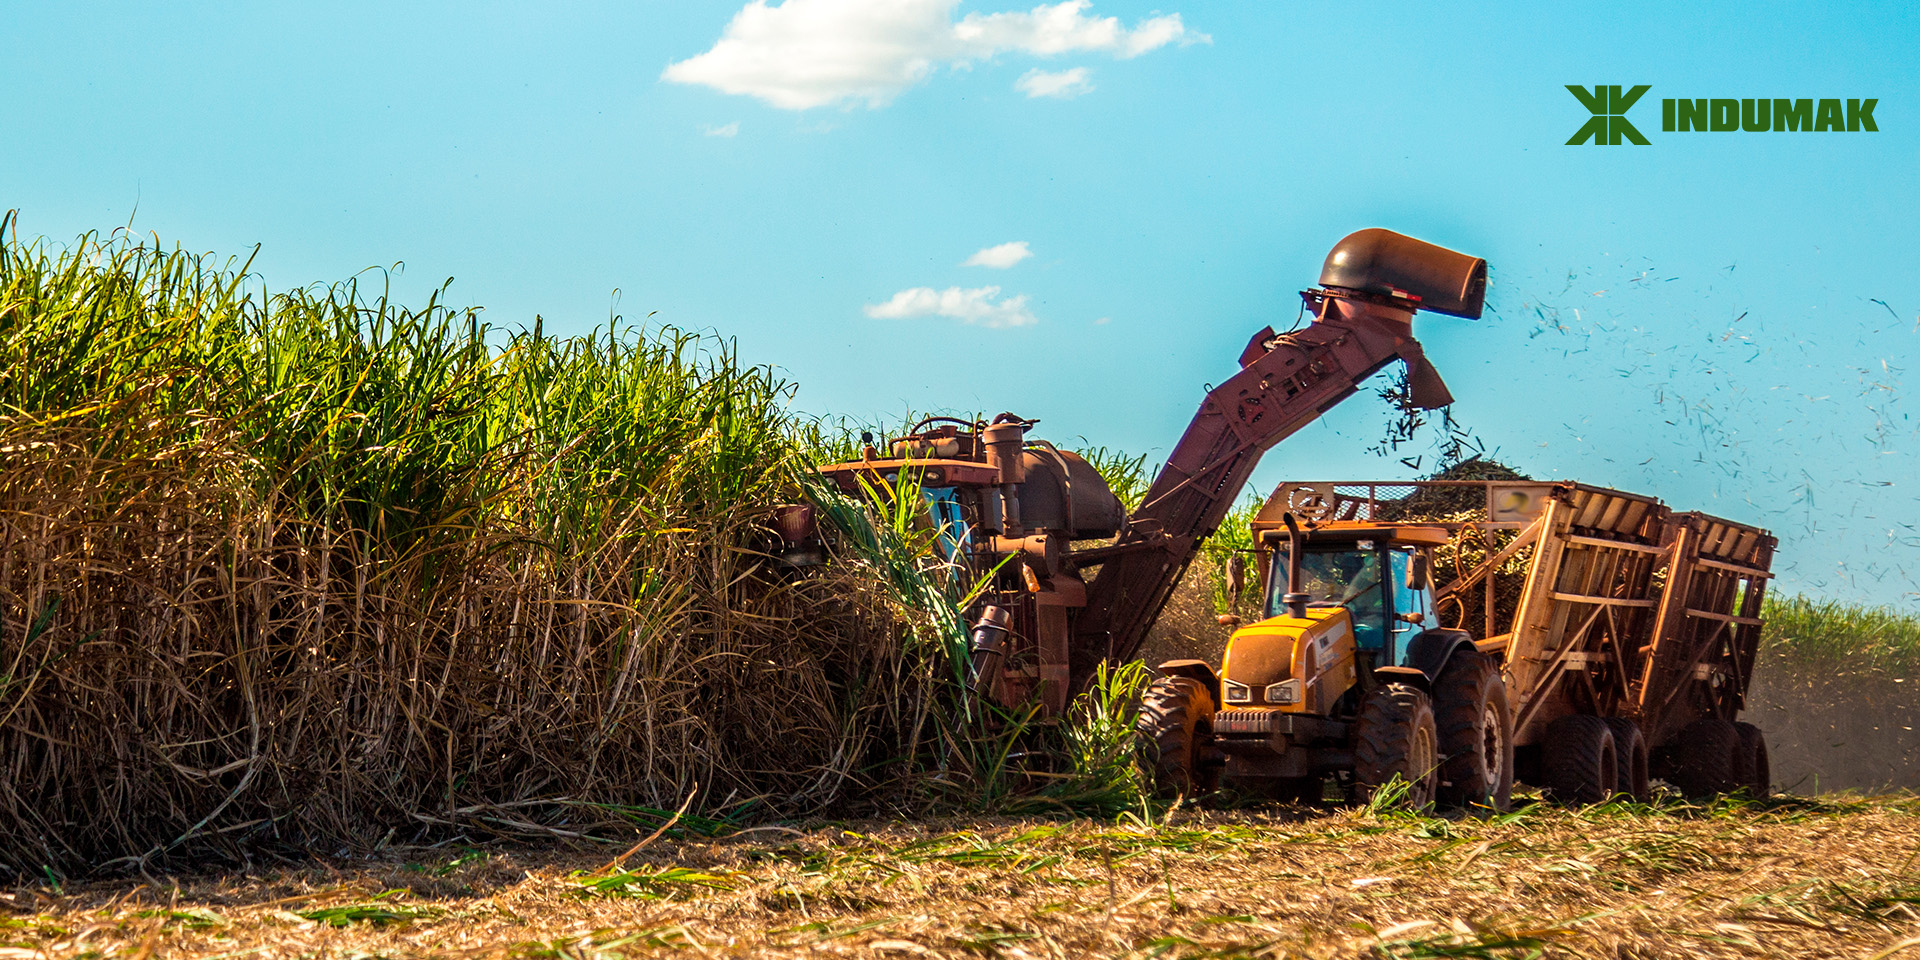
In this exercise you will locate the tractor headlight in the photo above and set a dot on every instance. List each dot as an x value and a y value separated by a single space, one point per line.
1286 691
1236 692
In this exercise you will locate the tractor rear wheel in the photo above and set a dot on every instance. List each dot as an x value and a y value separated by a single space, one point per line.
1395 736
1705 758
1476 732
1579 760
1752 768
1176 721
1631 749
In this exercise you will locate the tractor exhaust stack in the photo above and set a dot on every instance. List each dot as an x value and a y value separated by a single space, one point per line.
1296 600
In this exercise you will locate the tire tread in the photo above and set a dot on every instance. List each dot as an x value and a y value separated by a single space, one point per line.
1383 736
1460 697
1755 769
1704 758
1576 760
1168 725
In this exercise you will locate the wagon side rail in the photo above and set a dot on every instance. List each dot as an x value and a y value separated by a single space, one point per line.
1591 597
1707 632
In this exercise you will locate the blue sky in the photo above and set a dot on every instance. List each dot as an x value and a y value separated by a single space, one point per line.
1696 318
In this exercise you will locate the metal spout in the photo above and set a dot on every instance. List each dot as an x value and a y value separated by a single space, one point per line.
989 647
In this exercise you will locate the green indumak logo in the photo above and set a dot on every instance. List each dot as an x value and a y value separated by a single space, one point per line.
1608 122
1609 108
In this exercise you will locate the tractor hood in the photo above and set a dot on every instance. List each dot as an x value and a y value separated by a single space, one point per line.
1284 661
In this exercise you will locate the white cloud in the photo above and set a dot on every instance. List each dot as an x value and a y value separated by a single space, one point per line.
722 130
1064 85
977 306
811 53
1065 28
1158 32
999 257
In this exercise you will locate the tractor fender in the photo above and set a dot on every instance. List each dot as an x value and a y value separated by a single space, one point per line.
1411 676
1198 671
1430 651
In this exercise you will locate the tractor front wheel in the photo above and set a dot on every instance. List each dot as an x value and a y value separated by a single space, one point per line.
1176 721
1396 737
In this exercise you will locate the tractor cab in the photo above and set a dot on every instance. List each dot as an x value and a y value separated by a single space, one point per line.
1355 603
1379 574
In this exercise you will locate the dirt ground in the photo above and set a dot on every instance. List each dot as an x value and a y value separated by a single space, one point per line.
1831 878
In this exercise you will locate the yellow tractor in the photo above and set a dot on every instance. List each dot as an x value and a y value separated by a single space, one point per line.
1350 677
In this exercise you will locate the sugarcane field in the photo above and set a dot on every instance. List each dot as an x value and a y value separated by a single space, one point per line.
1345 520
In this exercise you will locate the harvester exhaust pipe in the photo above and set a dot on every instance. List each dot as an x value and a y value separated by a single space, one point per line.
1295 600
1004 439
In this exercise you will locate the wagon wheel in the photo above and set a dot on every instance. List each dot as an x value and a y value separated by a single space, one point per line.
1705 758
1580 760
1752 768
1631 747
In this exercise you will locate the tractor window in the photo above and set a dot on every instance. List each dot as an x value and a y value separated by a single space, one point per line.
1348 574
1408 600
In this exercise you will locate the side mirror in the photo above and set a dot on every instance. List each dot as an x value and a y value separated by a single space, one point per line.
1418 574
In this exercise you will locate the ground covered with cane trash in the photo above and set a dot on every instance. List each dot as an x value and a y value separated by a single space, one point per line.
1829 877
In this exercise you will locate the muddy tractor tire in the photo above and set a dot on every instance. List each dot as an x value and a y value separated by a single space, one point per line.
1396 736
1706 758
1579 760
1752 769
1476 733
1176 722
1631 749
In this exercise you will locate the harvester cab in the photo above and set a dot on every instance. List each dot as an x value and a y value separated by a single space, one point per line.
1008 508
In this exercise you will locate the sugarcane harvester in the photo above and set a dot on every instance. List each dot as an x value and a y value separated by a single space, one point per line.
1075 581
